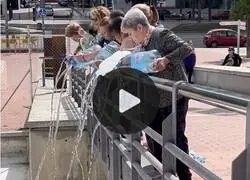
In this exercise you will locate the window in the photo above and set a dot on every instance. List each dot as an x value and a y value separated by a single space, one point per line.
231 33
222 33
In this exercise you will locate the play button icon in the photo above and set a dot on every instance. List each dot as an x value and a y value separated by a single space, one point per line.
125 100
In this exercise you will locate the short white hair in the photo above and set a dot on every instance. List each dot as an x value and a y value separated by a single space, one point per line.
134 17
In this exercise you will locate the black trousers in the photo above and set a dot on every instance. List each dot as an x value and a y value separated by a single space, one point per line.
181 140
190 73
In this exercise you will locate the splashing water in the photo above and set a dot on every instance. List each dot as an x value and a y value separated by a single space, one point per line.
50 143
53 130
87 105
92 149
85 108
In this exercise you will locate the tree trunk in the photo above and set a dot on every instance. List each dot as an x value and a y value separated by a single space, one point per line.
209 12
248 36
193 8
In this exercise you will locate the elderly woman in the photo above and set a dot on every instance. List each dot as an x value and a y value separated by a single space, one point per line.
150 12
170 66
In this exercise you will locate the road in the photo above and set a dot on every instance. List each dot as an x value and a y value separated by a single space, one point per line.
197 38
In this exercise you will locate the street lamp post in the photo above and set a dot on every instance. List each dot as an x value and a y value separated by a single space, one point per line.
42 6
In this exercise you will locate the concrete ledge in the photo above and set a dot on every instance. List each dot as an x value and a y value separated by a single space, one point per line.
46 124
229 70
14 134
25 50
236 79
40 114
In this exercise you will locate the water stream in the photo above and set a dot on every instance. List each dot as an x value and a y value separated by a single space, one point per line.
50 142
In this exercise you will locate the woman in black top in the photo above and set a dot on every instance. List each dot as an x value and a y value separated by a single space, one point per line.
232 59
170 66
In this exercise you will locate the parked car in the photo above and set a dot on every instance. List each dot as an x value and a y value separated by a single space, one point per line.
29 3
49 10
222 37
63 13
225 15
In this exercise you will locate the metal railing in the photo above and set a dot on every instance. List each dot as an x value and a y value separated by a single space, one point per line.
113 151
21 42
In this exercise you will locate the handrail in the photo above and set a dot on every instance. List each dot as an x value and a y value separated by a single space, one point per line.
155 162
213 93
209 95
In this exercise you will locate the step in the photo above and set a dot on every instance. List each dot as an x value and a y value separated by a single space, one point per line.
14 147
14 155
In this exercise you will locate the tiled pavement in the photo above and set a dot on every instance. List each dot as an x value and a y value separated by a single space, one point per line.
216 134
13 69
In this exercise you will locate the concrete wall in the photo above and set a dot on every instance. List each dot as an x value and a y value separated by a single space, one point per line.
64 147
14 147
235 79
14 155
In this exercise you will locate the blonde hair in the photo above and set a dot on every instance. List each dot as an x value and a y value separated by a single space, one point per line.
98 13
105 21
72 29
150 12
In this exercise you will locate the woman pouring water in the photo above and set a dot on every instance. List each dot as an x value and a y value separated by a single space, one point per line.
173 51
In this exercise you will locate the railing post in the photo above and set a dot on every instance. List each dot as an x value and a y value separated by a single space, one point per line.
136 156
248 142
114 158
30 61
169 133
103 144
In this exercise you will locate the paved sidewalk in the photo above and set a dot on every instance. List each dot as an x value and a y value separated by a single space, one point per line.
13 69
216 134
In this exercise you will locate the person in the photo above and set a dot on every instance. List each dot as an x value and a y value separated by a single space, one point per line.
116 13
189 63
151 13
96 16
170 66
123 39
232 59
76 33
105 51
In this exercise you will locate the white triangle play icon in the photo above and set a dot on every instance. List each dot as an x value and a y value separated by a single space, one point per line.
127 101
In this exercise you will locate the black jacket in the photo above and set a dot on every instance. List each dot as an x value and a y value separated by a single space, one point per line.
235 61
